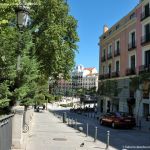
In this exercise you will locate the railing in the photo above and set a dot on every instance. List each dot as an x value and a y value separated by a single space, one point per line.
144 69
101 77
130 71
144 15
115 74
109 55
6 132
117 52
131 46
103 58
145 39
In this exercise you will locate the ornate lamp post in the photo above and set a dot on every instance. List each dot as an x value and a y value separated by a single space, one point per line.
22 14
22 17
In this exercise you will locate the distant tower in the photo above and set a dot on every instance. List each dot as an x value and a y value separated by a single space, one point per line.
105 29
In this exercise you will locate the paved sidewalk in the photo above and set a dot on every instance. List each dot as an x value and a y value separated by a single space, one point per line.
49 133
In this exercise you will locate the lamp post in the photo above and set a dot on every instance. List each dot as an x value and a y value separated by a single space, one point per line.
22 15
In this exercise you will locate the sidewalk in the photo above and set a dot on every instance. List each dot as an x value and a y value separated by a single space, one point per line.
49 133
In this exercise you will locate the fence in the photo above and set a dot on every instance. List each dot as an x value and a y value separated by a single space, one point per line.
6 132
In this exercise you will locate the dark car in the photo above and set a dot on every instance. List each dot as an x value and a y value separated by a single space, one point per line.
118 119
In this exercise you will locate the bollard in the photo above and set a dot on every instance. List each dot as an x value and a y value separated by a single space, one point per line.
68 120
95 137
107 144
87 129
64 117
76 124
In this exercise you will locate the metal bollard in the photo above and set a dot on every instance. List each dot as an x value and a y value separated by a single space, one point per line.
87 129
107 144
68 121
76 124
95 137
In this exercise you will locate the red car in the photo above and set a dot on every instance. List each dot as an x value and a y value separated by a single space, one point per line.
118 119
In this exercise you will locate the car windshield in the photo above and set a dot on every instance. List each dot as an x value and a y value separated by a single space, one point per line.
122 114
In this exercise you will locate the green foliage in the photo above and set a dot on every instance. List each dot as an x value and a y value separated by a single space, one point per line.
109 88
39 99
47 48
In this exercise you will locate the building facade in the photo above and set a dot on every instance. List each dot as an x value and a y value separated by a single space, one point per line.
81 78
124 54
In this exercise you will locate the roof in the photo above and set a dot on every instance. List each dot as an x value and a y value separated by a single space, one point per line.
89 69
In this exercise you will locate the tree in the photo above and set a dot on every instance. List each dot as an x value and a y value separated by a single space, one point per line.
47 48
56 37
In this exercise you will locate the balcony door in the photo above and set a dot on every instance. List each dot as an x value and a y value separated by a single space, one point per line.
133 39
146 10
117 66
147 58
109 69
147 32
133 62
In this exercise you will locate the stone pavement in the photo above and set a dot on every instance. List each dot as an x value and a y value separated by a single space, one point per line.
49 133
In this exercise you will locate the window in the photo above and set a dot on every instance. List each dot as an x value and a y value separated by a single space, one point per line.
147 32
109 69
133 38
132 15
117 66
117 45
110 49
117 27
146 8
133 62
110 32
103 69
147 58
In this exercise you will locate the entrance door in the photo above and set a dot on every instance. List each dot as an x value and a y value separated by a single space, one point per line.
145 109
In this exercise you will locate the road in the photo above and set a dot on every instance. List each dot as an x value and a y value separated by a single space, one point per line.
119 138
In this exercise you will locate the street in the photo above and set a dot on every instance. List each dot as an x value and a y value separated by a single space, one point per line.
119 138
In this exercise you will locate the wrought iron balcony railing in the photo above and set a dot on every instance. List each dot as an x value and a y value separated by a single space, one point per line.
144 15
117 52
131 46
109 55
144 69
130 71
145 39
115 74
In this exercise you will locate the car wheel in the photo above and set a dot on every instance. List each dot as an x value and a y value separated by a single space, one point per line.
113 125
101 122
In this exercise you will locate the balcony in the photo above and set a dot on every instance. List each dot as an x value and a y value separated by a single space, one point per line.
117 52
144 69
144 15
130 71
115 74
131 46
103 59
101 77
108 75
145 39
109 56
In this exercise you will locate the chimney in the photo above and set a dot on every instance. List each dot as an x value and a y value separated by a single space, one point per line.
105 28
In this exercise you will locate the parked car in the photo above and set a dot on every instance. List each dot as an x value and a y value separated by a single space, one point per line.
118 119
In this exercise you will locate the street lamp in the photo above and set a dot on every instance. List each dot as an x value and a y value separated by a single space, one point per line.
22 16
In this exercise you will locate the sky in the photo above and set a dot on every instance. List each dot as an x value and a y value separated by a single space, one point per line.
92 15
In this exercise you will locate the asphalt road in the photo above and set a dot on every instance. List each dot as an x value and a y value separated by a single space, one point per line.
119 138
